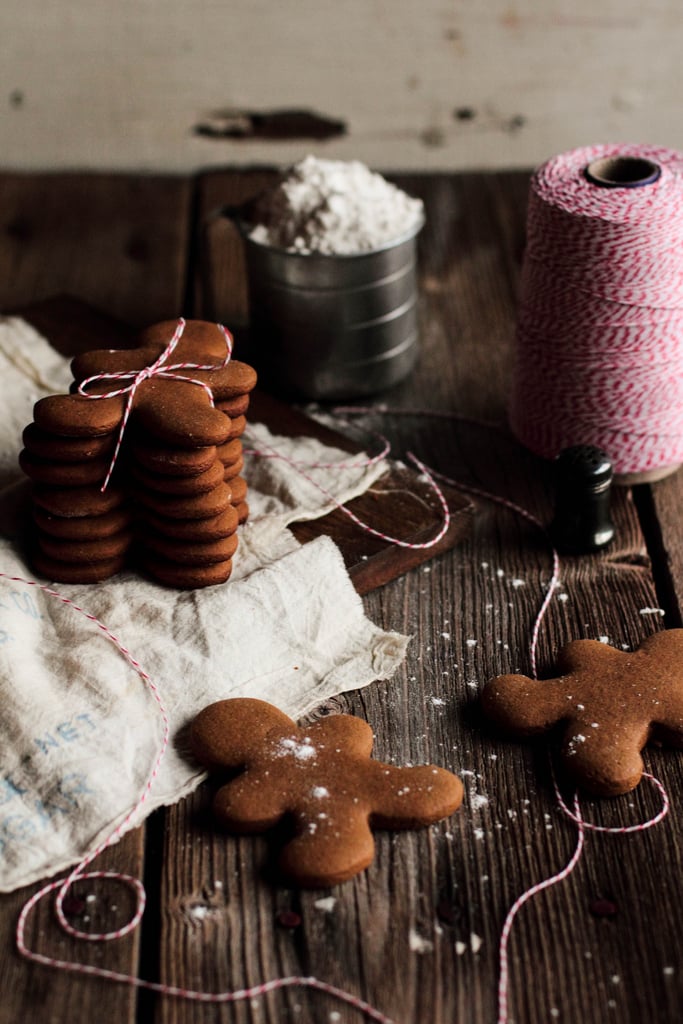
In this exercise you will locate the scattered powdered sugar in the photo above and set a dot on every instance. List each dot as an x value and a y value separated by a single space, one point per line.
573 743
303 751
418 944
333 207
326 903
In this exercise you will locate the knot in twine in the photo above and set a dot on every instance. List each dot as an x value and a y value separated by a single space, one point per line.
159 368
599 354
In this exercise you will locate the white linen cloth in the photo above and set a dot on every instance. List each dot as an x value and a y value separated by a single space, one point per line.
79 728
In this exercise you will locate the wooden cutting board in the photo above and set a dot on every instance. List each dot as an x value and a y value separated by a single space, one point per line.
401 504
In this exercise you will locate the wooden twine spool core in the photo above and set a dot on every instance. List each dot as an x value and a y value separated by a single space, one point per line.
622 172
647 476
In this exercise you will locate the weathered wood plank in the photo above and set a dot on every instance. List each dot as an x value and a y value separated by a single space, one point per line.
401 935
35 992
417 935
664 501
425 86
118 242
121 243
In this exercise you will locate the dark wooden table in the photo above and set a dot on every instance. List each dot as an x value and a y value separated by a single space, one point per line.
417 935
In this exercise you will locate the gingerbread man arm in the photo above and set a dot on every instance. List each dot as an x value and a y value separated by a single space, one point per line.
230 733
344 732
666 648
253 802
524 706
398 795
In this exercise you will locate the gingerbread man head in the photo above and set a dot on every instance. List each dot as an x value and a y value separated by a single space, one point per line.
607 703
320 778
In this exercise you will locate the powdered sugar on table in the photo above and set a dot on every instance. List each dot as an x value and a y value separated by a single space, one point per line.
333 207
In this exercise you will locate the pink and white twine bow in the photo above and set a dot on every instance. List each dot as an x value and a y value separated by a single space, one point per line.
159 368
600 328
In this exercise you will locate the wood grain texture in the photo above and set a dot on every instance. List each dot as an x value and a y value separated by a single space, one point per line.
115 241
33 992
121 243
417 934
663 503
427 86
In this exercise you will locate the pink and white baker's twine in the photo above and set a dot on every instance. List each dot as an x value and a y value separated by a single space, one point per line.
79 872
159 368
62 886
265 450
574 814
600 328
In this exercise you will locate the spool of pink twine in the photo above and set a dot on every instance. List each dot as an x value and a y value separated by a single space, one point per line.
599 355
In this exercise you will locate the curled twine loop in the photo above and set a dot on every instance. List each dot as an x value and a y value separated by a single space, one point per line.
62 886
574 815
159 368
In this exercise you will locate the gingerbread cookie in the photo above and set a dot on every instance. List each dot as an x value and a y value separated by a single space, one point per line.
322 779
212 528
174 461
64 474
74 502
45 445
608 704
163 483
82 527
190 552
174 449
194 506
186 577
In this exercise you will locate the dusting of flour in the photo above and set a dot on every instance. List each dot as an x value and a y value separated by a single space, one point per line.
333 207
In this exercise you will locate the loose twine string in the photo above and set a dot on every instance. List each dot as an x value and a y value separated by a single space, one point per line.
159 368
79 872
600 320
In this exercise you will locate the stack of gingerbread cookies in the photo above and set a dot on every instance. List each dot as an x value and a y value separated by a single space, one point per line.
141 463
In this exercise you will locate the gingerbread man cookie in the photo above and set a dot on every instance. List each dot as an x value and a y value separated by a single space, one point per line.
319 777
142 426
609 704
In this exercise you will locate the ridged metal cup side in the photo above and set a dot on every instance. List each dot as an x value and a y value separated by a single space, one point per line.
331 327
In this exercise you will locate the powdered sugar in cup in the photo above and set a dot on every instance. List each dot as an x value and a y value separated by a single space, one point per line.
331 261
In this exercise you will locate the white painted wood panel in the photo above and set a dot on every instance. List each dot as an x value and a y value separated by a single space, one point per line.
419 84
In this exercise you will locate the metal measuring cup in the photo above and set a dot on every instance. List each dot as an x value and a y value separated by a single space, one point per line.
329 327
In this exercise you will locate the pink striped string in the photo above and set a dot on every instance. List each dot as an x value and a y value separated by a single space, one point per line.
62 886
266 450
159 368
575 815
599 358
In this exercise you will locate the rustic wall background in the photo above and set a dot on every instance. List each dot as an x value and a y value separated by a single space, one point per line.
176 85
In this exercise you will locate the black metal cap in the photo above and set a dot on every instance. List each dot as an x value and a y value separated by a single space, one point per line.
582 521
583 465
